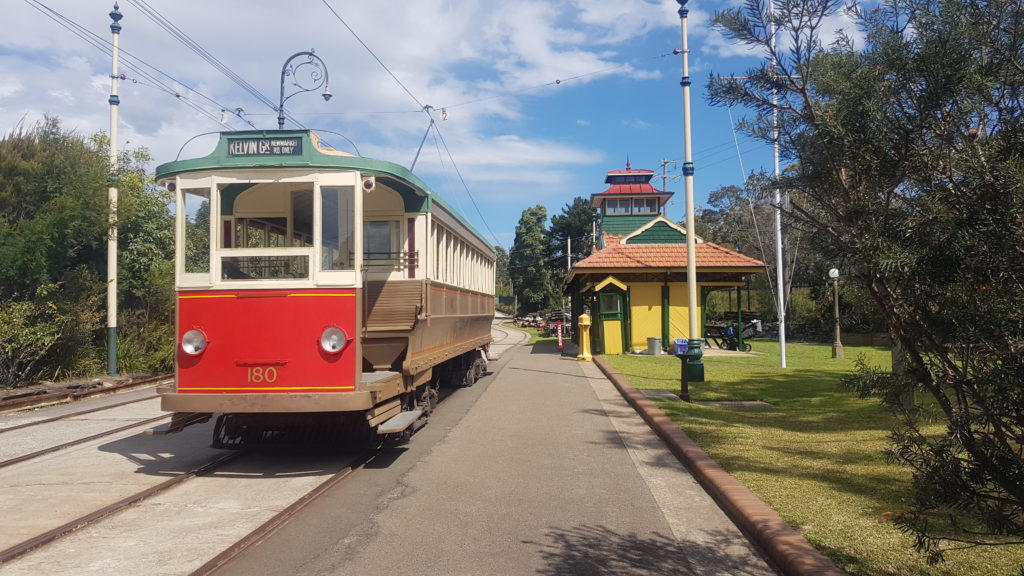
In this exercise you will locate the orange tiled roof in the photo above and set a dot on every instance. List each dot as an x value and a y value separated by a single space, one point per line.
709 255
611 239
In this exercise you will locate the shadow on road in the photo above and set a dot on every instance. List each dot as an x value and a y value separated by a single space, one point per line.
598 550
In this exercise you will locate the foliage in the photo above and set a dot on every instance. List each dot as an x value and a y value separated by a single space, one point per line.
905 167
502 282
53 244
27 332
815 453
528 267
575 224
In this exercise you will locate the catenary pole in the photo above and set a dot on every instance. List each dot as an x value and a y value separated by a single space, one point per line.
693 366
114 101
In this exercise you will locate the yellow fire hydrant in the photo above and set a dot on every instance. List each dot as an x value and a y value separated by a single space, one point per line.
584 324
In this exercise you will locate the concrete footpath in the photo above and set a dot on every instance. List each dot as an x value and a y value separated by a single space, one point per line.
551 472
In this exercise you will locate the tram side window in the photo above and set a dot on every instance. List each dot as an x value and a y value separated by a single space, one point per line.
337 241
197 230
380 239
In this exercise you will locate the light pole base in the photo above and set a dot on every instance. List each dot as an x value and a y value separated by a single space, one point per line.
837 350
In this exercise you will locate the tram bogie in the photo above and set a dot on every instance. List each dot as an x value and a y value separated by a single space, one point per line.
318 288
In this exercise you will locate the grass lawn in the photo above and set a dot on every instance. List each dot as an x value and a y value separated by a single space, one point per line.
816 455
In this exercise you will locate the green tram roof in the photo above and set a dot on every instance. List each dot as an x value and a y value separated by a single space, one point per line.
310 154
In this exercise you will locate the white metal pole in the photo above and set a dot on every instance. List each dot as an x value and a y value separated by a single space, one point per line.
694 367
114 101
779 274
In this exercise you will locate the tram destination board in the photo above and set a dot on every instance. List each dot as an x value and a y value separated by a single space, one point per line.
264 146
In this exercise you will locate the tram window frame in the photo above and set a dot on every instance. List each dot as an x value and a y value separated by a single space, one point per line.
193 240
338 214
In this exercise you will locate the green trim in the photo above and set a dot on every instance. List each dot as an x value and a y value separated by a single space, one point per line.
624 224
658 233
228 195
417 196
666 318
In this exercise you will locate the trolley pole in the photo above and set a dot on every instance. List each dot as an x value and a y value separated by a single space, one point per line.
694 367
114 101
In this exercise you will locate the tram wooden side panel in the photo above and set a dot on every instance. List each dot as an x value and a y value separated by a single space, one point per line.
458 321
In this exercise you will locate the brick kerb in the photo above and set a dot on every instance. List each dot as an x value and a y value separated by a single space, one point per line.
788 550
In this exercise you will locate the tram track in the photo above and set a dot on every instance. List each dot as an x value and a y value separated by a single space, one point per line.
268 528
31 544
36 399
74 414
59 447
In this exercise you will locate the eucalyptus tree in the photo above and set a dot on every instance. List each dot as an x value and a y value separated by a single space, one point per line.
903 164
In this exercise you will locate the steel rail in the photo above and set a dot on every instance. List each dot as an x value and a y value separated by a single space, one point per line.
94 517
73 414
280 519
58 447
21 402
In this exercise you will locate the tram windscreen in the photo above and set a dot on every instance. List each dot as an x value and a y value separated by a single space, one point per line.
250 224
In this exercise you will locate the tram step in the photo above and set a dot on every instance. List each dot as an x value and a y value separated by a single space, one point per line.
400 422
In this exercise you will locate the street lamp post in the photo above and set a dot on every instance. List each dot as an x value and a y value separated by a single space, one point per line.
313 70
837 345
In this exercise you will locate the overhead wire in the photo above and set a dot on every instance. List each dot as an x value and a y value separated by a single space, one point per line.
426 109
463 180
372 53
180 35
129 60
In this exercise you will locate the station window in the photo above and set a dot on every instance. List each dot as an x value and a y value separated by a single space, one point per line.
645 206
611 303
616 206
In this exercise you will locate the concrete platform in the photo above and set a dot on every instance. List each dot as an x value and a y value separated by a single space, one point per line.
549 472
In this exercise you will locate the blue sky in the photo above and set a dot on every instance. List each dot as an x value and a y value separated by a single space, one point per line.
542 97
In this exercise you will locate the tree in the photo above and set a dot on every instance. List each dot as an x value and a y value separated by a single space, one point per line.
502 282
575 223
528 265
53 232
904 164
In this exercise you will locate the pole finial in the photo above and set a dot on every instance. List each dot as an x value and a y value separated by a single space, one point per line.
116 16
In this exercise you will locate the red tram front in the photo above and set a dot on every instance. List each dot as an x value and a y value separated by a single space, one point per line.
305 280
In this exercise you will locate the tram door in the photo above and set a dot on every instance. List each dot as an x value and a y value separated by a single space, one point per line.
611 314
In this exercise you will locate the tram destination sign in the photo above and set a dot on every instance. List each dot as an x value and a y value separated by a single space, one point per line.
265 147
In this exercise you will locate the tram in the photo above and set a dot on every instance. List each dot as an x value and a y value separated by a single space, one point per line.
318 290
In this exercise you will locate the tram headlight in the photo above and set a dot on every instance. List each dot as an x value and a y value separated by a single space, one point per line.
333 340
193 342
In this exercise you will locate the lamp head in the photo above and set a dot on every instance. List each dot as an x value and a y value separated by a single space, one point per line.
833 273
327 94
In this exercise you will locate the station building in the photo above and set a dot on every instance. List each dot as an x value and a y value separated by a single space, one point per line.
634 284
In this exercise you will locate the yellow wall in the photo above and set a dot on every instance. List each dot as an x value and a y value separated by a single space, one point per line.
645 311
679 321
